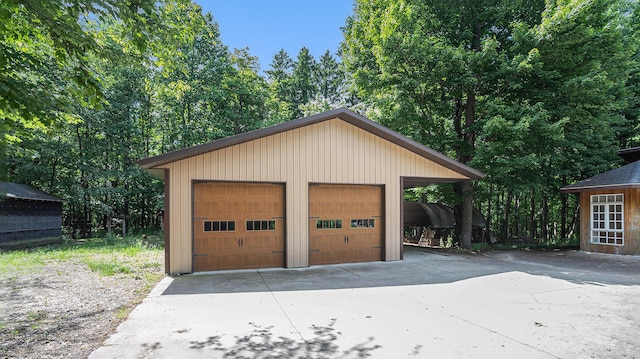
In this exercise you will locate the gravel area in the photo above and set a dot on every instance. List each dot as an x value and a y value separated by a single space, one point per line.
63 309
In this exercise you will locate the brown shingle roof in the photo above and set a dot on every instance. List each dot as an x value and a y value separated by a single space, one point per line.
341 113
624 177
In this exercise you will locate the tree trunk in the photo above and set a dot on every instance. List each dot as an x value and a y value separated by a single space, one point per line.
85 224
518 234
532 217
488 222
563 216
126 211
544 227
507 213
464 213
575 219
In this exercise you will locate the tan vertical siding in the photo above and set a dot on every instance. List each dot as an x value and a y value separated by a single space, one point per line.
327 152
166 221
631 223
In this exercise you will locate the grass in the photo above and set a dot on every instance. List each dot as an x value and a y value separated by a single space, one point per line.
107 267
107 256
40 314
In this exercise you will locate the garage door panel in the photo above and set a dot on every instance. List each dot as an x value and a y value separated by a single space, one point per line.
273 243
328 240
326 257
228 242
365 239
207 263
264 260
364 255
217 245
359 242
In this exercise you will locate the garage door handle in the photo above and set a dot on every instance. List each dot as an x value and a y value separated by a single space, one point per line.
200 255
274 252
314 250
376 247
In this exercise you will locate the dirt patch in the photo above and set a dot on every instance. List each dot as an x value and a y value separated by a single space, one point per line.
65 309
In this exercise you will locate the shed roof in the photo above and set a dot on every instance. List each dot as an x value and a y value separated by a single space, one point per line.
21 191
341 113
627 176
436 215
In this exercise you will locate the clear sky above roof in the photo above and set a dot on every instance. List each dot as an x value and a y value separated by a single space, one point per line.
266 26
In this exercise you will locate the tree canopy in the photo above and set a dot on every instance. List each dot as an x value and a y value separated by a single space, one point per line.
536 94
46 58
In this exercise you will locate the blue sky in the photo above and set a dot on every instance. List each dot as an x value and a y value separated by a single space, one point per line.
266 26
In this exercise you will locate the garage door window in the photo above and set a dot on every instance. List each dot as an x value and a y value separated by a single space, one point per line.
607 224
219 226
329 224
267 225
363 223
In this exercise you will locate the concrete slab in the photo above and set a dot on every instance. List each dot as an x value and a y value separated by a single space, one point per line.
503 305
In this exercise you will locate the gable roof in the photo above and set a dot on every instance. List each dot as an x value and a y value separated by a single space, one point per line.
21 191
341 113
624 177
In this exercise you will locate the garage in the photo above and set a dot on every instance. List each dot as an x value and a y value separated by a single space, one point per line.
238 226
317 190
345 224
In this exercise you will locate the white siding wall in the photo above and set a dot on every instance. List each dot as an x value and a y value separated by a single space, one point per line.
332 151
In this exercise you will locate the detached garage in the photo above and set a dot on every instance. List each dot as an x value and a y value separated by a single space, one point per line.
318 190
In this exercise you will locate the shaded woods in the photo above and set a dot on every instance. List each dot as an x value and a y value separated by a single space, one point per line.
535 94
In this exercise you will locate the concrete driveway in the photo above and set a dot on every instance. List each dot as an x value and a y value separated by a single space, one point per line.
511 304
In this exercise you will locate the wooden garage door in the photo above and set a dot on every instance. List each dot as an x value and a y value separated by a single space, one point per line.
345 224
238 226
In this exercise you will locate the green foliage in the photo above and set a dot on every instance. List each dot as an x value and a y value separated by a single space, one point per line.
304 87
184 88
535 94
46 59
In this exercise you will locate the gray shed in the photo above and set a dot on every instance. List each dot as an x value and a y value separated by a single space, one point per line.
28 216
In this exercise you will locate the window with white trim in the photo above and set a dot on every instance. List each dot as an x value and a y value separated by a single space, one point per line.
607 219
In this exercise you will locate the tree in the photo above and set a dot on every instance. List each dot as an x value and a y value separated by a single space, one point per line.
45 58
280 73
330 79
280 99
424 64
244 108
303 84
452 74
304 87
192 64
